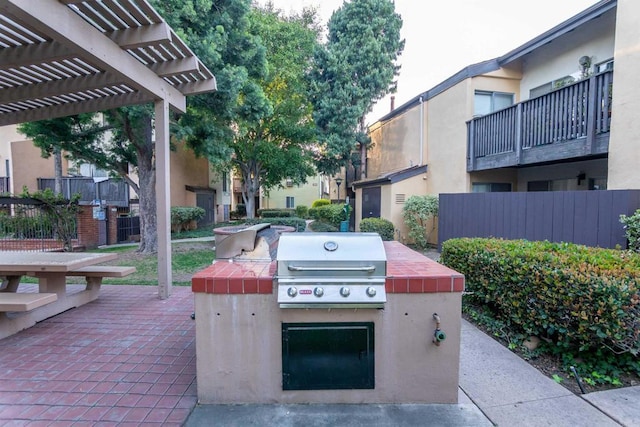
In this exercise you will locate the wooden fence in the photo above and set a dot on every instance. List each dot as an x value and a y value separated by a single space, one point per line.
590 218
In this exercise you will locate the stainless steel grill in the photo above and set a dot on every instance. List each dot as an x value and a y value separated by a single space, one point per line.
331 270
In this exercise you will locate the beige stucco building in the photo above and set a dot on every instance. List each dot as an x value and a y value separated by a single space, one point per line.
542 117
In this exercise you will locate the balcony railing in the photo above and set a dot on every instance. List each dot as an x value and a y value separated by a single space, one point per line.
114 192
570 122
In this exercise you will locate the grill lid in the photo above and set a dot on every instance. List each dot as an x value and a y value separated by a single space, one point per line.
331 247
341 270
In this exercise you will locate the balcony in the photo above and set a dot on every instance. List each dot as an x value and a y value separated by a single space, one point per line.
569 123
114 192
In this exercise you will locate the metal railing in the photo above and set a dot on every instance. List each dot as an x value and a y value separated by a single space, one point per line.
26 225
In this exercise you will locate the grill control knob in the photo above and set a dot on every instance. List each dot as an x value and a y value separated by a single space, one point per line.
292 292
318 291
371 291
344 291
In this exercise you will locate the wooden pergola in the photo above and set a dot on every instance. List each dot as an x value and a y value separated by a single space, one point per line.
64 57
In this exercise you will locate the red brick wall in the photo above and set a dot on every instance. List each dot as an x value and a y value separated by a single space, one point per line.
87 228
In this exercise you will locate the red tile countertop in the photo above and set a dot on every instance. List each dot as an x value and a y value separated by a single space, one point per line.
407 272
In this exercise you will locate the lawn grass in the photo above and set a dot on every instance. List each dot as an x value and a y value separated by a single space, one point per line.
186 260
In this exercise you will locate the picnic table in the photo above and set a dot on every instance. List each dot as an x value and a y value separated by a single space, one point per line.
24 309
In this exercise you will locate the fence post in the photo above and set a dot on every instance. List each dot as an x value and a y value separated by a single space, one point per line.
592 112
112 225
519 134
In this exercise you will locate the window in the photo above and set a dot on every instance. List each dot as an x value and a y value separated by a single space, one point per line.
554 185
552 85
488 102
491 187
290 202
225 183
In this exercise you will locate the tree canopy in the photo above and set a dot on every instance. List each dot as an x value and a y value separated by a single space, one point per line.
355 68
259 123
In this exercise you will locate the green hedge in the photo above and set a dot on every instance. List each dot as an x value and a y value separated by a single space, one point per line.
183 217
320 202
298 223
302 211
382 226
583 301
276 213
331 214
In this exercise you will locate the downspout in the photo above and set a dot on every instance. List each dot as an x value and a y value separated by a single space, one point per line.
421 131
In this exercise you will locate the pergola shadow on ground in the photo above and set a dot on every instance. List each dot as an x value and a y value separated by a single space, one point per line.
127 357
65 57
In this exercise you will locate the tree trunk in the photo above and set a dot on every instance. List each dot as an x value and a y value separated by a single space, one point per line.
147 194
57 171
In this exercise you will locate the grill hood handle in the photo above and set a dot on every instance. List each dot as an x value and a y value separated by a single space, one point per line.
368 268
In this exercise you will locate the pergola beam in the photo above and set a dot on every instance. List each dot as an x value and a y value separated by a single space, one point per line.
71 108
59 87
34 54
149 35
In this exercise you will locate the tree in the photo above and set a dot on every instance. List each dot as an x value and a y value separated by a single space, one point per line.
49 135
355 68
259 122
129 142
276 144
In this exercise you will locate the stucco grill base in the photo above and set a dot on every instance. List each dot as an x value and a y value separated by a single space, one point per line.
239 349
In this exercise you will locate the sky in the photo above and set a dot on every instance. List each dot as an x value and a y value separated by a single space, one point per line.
443 37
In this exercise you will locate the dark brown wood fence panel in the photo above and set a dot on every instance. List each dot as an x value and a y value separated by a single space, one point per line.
590 218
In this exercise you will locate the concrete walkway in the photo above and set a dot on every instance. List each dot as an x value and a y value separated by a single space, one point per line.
496 388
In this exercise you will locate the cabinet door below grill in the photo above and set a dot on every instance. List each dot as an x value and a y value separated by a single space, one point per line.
328 356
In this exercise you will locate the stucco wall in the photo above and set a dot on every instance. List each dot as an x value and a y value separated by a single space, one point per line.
28 165
624 154
560 58
446 142
303 194
239 348
396 144
186 169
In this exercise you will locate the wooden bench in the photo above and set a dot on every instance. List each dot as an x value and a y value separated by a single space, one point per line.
95 273
23 301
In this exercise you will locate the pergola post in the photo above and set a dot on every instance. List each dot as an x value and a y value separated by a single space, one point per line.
163 199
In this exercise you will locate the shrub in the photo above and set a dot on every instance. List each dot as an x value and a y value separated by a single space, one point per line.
276 213
419 213
632 230
302 211
382 226
322 227
184 217
331 214
298 223
584 301
320 202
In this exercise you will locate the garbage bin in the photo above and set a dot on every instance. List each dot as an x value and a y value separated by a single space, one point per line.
344 225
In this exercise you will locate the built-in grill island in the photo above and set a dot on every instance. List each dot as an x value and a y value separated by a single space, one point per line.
334 318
